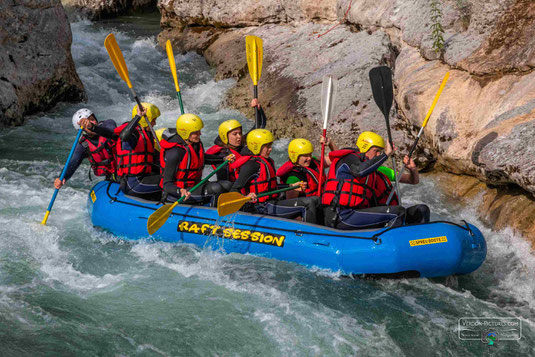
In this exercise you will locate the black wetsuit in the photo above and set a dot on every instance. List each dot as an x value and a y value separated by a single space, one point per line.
208 192
349 167
103 128
305 207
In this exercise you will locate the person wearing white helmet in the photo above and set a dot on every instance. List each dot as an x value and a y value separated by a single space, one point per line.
96 144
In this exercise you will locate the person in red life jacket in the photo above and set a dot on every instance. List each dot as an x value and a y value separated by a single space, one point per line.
228 142
94 144
231 141
348 193
137 160
385 176
302 166
182 159
256 174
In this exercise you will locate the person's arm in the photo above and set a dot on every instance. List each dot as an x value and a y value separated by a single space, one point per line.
210 159
105 129
412 177
129 134
364 168
291 180
247 172
173 157
77 158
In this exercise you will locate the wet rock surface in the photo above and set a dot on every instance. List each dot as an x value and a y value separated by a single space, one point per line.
37 69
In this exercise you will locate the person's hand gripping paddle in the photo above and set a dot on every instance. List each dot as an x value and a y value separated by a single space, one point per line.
328 95
160 216
383 94
61 177
253 49
117 59
429 112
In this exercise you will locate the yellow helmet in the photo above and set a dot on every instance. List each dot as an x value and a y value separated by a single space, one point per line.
258 138
159 134
187 124
299 147
227 126
367 139
153 112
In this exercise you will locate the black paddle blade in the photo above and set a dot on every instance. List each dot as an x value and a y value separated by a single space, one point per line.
381 81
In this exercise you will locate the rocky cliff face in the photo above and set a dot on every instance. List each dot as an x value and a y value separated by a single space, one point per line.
483 123
100 9
37 69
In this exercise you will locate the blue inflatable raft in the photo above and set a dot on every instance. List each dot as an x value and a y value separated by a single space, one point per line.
424 250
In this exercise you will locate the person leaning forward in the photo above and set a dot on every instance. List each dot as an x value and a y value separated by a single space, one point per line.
382 185
349 193
182 159
256 174
96 144
136 155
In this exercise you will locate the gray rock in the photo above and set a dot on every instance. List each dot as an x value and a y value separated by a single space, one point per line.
37 68
99 9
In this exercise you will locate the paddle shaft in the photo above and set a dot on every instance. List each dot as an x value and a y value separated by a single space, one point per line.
256 111
276 191
428 115
61 177
179 96
203 181
146 119
396 187
322 160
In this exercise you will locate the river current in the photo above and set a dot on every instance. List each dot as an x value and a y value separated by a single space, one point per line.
69 289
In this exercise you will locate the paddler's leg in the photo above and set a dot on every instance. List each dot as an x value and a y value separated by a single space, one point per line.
309 207
305 207
147 187
418 214
374 217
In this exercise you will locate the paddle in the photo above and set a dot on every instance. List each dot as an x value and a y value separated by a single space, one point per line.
253 49
381 82
328 95
158 218
429 112
231 202
172 65
62 176
117 59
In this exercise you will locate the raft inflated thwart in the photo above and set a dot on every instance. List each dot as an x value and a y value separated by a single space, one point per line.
426 250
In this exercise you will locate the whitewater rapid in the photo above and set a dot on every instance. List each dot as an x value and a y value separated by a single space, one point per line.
70 289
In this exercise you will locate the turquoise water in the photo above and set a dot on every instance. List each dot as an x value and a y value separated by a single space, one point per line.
70 289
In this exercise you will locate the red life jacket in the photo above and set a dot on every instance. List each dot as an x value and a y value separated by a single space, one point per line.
101 156
350 193
312 175
138 161
216 149
265 181
382 189
189 170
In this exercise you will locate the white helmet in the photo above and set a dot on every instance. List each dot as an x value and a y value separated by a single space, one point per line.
80 114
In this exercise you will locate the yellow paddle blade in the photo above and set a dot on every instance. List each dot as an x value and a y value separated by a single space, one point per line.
442 85
230 202
117 58
172 63
158 218
254 51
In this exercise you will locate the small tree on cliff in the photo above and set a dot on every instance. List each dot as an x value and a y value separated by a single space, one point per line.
436 26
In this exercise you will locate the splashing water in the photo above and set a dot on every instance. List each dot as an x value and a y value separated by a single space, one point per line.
70 289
